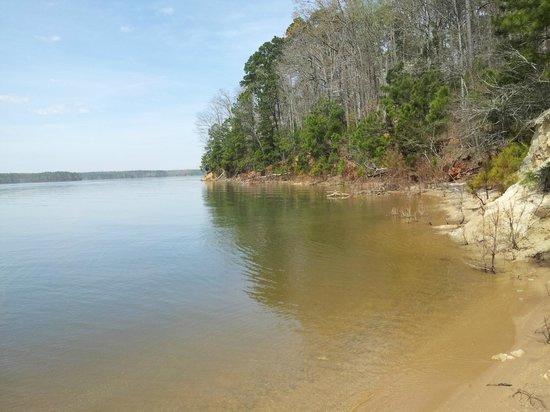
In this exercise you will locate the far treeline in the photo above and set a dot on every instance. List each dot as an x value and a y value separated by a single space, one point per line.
73 176
429 89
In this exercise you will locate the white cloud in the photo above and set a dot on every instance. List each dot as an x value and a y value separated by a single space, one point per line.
167 11
126 29
60 109
13 99
48 39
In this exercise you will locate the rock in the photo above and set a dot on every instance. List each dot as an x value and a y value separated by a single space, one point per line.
518 353
537 160
503 357
543 210
209 177
541 256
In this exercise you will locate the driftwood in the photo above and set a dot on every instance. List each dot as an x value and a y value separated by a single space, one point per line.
379 171
273 175
479 267
338 195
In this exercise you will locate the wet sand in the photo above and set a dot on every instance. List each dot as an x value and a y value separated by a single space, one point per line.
528 375
458 380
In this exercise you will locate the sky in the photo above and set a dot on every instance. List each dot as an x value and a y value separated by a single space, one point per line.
116 85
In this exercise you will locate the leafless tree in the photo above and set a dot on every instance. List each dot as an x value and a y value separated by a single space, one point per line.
219 109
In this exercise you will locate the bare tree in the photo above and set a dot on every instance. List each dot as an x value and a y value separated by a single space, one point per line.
219 108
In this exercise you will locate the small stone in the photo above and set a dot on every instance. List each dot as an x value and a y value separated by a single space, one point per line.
518 353
503 357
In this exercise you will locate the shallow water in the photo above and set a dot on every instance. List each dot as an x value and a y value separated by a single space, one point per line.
165 293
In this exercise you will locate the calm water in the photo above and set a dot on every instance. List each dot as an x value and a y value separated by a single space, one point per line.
169 293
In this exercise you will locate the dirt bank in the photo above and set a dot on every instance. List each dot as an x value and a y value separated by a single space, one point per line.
519 376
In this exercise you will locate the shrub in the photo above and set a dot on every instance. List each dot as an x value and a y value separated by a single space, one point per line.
368 142
341 167
322 131
501 171
417 108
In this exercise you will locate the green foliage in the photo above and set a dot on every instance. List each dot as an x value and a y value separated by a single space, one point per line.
72 176
369 141
509 95
323 129
285 143
544 179
260 80
502 83
501 172
416 112
537 181
341 167
525 23
531 180
213 153
417 107
39 177
514 86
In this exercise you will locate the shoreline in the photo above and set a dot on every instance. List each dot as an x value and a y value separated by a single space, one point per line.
523 381
529 374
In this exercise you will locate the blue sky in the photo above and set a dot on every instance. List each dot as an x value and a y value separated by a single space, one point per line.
116 85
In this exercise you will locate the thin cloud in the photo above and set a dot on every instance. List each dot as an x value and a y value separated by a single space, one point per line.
82 109
13 99
48 39
167 11
51 110
126 29
61 109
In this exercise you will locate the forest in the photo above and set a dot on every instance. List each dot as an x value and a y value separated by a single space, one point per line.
427 89
6 178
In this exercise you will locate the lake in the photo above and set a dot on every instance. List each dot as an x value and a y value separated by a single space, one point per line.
171 293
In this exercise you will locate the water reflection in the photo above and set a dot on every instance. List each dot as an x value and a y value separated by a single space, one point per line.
343 268
169 294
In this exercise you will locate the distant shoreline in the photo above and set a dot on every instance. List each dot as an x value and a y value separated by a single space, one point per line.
62 176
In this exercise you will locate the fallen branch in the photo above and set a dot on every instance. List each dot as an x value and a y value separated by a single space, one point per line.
533 400
544 330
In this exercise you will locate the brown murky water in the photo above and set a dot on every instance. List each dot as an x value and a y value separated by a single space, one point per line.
168 293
